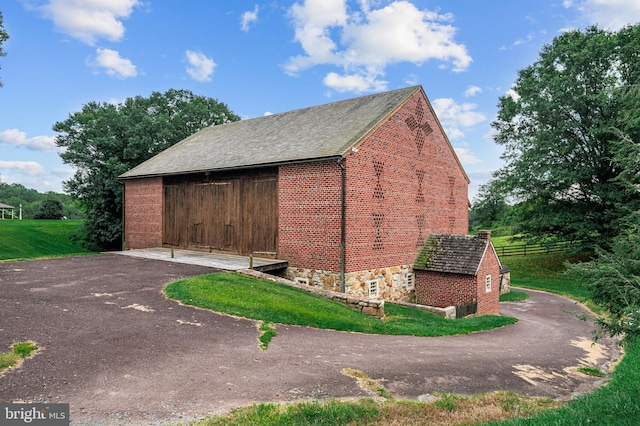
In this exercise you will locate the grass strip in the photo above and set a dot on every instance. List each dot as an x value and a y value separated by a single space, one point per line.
249 297
448 409
514 296
267 332
19 352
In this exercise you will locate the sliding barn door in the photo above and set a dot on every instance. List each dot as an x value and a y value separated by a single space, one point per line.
236 214
260 215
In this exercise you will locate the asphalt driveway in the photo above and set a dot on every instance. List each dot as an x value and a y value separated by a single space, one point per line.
119 353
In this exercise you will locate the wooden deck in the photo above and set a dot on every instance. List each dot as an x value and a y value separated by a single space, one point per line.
228 262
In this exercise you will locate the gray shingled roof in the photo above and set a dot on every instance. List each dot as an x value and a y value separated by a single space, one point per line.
455 254
6 206
324 131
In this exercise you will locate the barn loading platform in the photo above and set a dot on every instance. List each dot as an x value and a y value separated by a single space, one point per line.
228 262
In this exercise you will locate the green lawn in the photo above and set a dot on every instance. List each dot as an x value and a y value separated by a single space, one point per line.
545 272
514 296
249 297
32 239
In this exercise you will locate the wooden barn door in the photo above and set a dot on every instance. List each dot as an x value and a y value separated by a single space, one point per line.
174 232
237 214
260 215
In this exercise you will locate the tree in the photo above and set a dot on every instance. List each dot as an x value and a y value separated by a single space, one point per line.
614 280
3 37
104 140
489 208
50 209
571 129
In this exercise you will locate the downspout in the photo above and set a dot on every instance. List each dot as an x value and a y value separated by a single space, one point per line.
343 221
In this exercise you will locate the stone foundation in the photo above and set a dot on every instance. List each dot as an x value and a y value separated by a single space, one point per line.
392 281
505 280
372 307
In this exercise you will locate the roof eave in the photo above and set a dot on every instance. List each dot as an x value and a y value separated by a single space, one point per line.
243 167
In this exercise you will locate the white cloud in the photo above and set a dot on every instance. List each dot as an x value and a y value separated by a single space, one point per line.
249 18
466 157
455 116
472 91
200 67
16 138
520 41
364 42
412 80
354 83
29 168
114 65
90 20
610 14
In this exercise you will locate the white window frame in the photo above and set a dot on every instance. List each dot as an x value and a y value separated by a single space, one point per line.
301 280
375 286
487 283
411 281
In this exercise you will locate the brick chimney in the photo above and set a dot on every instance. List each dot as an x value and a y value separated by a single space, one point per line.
484 235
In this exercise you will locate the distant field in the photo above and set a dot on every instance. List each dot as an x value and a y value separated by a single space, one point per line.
32 239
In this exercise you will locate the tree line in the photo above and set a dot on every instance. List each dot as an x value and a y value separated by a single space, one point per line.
37 205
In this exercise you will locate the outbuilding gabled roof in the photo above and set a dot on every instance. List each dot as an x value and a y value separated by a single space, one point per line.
308 134
454 254
6 206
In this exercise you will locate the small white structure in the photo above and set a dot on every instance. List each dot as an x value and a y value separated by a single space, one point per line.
5 207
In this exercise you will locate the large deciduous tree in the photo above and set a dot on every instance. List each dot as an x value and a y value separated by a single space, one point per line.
489 207
3 37
571 131
104 140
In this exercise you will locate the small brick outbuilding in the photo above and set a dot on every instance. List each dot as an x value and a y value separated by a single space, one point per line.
459 270
345 192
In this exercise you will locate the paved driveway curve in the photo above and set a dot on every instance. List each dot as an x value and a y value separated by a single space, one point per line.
119 353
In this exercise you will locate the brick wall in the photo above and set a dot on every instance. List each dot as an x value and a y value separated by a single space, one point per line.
488 303
143 213
309 222
442 290
403 183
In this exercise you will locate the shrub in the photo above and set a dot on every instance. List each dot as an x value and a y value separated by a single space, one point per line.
50 209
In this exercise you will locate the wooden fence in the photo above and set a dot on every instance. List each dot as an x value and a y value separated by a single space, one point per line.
525 249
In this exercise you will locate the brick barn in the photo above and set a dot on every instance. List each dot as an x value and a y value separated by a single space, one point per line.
345 192
459 270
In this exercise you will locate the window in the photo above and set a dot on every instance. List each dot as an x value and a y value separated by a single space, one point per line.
410 281
372 286
300 280
488 283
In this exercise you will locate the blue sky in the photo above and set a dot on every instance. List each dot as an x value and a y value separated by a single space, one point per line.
263 57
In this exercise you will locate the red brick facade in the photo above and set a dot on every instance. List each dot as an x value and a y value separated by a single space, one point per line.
309 220
143 213
490 267
403 183
442 289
